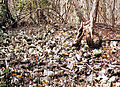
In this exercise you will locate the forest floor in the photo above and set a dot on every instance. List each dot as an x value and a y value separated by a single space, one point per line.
44 57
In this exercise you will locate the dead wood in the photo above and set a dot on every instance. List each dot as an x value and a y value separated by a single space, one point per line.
93 42
79 36
111 40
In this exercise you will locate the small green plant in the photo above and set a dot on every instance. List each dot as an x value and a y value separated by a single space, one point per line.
3 79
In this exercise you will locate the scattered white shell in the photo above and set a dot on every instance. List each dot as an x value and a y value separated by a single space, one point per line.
86 54
113 43
48 73
113 50
70 65
78 56
97 52
112 79
83 50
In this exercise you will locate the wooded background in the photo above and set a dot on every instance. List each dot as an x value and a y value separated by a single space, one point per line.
51 11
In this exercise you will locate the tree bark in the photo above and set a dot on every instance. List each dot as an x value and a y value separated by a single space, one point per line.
9 16
104 11
8 11
88 11
77 8
113 16
93 16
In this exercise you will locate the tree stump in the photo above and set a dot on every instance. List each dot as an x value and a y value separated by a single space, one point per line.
95 41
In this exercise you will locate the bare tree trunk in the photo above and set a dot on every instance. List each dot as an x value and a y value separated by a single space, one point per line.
93 16
98 18
9 16
104 11
88 11
96 10
59 8
113 16
77 8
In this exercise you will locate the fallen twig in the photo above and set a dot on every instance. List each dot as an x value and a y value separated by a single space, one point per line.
110 40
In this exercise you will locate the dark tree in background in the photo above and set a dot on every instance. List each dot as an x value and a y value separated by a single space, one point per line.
6 16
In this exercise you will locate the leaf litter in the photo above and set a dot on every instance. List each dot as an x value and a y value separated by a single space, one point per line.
37 57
